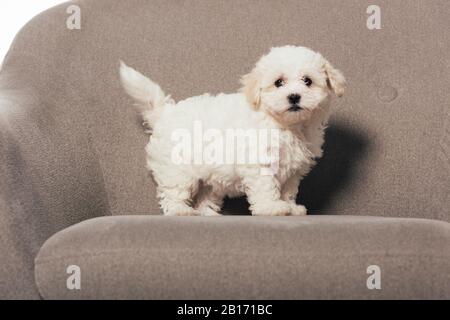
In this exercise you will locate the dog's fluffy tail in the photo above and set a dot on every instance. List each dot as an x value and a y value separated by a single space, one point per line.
149 97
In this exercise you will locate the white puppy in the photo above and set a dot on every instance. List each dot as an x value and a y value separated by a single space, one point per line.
288 91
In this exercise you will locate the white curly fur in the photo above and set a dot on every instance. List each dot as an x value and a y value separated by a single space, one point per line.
199 189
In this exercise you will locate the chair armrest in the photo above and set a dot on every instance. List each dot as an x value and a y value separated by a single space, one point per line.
49 180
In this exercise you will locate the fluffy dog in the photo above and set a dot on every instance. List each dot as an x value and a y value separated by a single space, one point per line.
288 90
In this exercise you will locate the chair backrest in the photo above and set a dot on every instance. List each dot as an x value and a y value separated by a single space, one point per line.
388 144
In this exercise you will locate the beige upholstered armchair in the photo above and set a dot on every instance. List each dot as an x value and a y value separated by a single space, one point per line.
74 190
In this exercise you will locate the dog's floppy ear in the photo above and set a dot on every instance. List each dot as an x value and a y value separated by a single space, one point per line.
251 88
335 79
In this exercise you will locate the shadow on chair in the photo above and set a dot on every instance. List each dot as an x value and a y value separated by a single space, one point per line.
344 149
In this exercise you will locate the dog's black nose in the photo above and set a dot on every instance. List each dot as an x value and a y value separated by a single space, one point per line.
294 98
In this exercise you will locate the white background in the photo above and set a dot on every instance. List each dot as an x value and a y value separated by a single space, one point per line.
14 14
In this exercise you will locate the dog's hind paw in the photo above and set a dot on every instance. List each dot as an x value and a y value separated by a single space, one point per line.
208 212
180 210
298 210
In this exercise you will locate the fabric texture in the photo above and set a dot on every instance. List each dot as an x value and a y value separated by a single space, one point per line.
72 147
314 257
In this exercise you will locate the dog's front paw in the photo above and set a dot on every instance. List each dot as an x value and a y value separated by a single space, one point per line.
273 208
298 210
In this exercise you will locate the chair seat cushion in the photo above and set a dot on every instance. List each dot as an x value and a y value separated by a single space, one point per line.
244 257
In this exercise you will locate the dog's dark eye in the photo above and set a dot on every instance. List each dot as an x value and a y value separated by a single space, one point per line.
279 83
307 81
